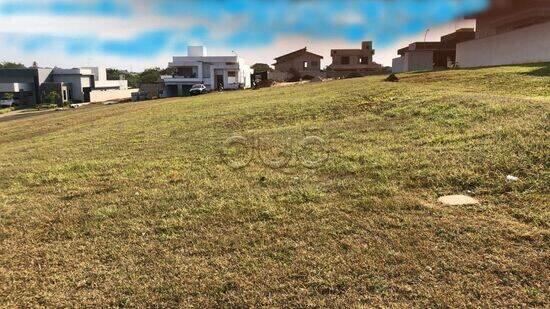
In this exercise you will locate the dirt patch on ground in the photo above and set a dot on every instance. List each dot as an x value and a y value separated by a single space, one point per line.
23 113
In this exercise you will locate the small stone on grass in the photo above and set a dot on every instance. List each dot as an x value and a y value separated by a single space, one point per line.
457 200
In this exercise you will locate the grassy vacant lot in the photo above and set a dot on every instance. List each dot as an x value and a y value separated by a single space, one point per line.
135 205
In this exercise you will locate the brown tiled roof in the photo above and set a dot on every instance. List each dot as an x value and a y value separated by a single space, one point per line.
296 54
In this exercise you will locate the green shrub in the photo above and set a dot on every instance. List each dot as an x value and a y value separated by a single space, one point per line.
49 99
6 110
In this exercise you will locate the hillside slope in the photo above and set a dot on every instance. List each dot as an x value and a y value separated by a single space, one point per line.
137 204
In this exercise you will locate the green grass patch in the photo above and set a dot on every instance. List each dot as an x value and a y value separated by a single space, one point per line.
6 110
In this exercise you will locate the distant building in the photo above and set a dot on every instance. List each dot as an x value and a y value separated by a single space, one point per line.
346 62
301 62
510 32
227 72
426 56
85 82
30 86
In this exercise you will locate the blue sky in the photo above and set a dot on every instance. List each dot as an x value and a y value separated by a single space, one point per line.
143 31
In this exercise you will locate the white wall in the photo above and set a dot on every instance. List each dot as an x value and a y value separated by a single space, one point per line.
527 45
120 84
196 51
99 73
76 82
106 95
244 75
419 61
398 65
188 60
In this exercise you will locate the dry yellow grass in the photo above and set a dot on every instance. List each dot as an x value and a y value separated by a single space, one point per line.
134 205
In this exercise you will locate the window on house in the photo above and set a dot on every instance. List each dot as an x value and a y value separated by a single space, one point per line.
232 77
64 95
206 67
314 64
345 60
306 65
187 72
364 60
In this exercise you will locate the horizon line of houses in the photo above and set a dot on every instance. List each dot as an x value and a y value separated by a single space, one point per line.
510 32
231 72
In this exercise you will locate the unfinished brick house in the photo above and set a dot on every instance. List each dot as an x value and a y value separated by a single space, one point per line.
509 32
426 56
346 62
302 62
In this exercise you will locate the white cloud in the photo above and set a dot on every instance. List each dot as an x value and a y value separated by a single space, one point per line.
101 27
348 18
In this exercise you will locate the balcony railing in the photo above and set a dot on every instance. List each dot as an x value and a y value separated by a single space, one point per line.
176 79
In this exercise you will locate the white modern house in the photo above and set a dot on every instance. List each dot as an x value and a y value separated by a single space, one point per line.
215 72
90 84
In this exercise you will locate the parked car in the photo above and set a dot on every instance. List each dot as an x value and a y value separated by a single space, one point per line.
198 89
7 103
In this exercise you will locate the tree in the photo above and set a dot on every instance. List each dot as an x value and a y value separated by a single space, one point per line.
8 96
51 97
151 75
168 71
132 78
11 65
114 74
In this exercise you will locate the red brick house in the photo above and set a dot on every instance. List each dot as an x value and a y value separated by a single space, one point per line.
302 61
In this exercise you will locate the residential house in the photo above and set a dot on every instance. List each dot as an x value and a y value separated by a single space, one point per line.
30 86
24 84
346 62
426 56
90 84
215 72
300 62
509 32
